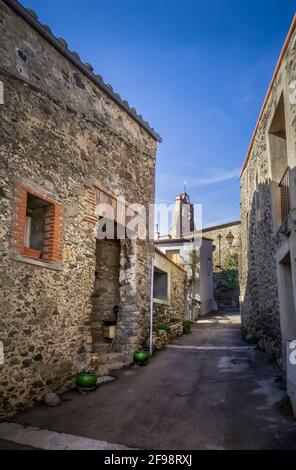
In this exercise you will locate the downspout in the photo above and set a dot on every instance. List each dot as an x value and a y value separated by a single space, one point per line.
151 308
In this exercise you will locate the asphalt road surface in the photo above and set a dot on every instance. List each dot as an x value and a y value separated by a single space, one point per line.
207 390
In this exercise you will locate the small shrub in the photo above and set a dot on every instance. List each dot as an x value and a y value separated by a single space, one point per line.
162 327
229 274
187 327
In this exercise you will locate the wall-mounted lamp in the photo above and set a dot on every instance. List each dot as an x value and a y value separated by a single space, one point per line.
230 238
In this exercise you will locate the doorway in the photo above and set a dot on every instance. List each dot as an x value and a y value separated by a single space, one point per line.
106 291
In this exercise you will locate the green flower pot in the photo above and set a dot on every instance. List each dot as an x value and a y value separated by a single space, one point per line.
86 382
141 357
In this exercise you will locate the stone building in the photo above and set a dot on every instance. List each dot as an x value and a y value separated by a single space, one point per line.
67 143
170 289
268 205
226 241
187 248
226 258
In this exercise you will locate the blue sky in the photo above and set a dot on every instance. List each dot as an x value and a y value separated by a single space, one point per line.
197 71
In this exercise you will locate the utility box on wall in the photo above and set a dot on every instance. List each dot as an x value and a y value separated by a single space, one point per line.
291 373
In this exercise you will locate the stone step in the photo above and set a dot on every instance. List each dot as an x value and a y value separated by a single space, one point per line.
108 362
114 357
100 348
108 368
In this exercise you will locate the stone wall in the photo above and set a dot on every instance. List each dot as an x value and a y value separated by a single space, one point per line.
223 230
226 298
60 135
106 287
260 211
176 305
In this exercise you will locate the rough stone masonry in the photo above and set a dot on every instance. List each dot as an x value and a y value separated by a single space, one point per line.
226 297
266 228
64 135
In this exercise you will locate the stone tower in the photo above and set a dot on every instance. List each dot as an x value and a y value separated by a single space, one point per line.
183 218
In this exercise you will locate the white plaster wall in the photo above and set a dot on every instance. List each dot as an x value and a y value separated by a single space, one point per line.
202 290
206 277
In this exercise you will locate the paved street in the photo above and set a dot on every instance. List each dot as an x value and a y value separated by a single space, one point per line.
208 390
6 445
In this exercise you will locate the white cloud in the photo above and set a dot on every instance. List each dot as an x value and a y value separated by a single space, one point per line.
218 177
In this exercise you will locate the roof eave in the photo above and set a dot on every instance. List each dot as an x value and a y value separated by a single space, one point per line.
221 226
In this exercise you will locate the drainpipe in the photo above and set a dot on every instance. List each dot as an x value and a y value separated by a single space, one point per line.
151 308
220 238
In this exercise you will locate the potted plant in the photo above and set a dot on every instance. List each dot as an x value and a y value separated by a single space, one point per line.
87 379
187 327
141 357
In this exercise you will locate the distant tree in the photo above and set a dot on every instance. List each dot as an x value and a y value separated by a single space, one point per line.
191 264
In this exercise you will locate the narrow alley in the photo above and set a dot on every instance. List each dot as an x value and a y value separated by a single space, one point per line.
147 228
208 390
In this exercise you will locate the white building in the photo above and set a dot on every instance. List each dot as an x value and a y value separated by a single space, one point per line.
194 253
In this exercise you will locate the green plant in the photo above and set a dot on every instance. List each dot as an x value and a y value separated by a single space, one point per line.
187 327
191 263
162 327
229 274
88 371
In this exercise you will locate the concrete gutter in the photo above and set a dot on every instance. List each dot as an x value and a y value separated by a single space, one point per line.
49 440
61 45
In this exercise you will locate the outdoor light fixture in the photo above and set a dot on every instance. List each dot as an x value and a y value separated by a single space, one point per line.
230 238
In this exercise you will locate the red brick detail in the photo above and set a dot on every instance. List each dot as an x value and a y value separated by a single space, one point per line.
30 253
91 200
19 220
91 220
100 195
53 240
54 225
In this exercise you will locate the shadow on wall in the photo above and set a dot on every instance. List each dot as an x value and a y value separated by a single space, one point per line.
264 230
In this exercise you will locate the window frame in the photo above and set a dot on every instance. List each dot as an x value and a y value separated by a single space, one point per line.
53 234
161 272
